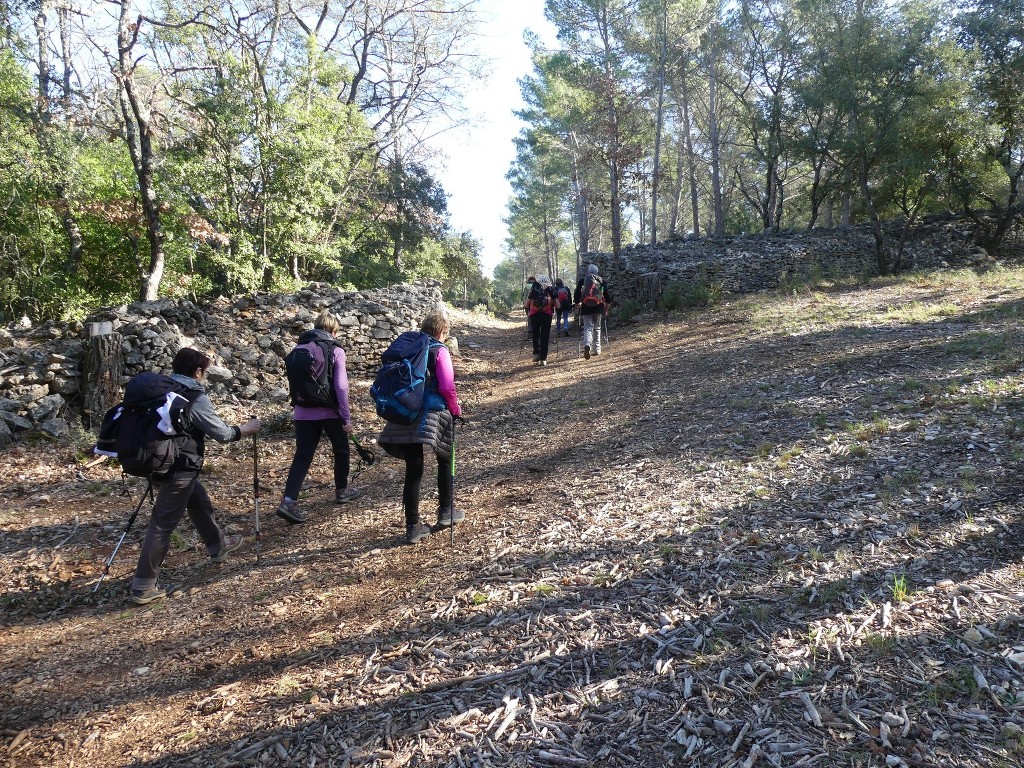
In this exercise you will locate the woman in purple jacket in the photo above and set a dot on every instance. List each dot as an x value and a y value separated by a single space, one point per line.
312 421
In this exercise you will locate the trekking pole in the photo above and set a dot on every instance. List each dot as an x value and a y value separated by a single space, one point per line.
368 456
131 522
451 532
604 322
256 491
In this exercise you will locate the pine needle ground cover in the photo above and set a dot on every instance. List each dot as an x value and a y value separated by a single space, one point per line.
782 530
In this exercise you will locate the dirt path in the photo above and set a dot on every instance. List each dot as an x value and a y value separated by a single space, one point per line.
732 539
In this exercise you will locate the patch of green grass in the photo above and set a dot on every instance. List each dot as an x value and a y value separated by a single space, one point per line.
912 385
178 540
982 344
287 685
900 588
880 646
545 589
953 685
833 591
864 432
97 488
478 598
788 456
918 312
859 451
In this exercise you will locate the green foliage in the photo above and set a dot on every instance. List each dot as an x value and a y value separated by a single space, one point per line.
702 292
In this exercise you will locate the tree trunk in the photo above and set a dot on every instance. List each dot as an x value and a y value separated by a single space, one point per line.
715 148
57 166
660 120
138 136
876 224
103 366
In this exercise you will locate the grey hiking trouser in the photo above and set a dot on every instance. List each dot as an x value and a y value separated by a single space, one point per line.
174 496
592 331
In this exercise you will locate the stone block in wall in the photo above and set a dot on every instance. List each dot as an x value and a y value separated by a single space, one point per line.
218 374
15 422
45 407
55 427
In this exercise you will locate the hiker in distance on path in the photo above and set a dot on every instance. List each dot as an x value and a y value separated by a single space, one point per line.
563 307
540 305
313 416
435 428
593 298
527 287
180 489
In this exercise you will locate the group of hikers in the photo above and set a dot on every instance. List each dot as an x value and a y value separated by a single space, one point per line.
177 489
544 302
319 389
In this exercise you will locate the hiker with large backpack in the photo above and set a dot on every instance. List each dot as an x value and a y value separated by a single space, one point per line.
593 298
179 490
540 305
318 385
429 379
563 307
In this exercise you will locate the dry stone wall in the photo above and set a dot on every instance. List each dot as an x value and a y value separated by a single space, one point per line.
247 338
745 264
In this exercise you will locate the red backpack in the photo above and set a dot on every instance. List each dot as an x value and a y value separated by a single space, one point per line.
564 297
592 294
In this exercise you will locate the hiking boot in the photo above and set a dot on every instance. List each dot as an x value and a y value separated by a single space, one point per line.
446 516
543 362
346 494
289 512
586 352
147 596
231 543
536 357
416 532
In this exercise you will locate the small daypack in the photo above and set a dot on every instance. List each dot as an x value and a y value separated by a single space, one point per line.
399 388
310 371
541 297
146 430
592 294
564 297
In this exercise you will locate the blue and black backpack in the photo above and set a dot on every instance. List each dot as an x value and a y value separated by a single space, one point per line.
399 388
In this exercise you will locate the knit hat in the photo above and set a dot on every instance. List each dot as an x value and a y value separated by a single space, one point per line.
543 279
592 269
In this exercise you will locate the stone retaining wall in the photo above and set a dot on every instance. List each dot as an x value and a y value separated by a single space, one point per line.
745 264
248 337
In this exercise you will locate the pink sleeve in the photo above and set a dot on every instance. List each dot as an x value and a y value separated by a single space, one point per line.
445 374
341 385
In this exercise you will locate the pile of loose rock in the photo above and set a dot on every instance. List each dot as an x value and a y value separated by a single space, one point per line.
41 367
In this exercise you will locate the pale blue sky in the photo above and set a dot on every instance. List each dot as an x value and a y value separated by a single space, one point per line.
479 155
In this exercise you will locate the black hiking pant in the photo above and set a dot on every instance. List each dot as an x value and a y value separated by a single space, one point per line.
412 454
181 492
540 329
307 438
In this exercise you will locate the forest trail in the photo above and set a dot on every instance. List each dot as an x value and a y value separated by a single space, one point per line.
786 531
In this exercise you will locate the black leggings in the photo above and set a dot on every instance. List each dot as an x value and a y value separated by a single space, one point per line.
307 438
412 454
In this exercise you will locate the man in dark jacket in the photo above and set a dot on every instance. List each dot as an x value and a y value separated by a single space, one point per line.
593 298
179 490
